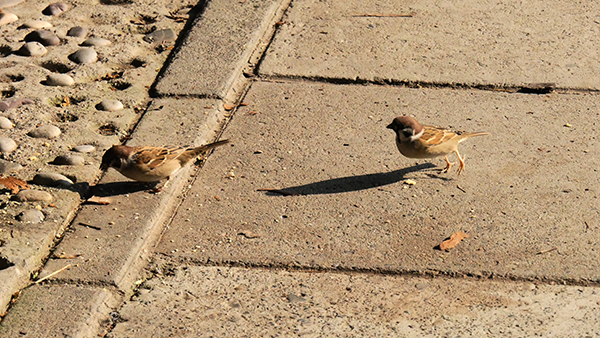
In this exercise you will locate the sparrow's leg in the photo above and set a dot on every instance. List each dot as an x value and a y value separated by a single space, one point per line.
461 167
448 165
159 187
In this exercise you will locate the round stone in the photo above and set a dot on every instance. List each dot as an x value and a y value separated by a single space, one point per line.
51 179
56 8
110 105
32 48
31 216
6 18
9 167
96 42
37 24
62 80
69 160
30 195
13 103
84 148
84 55
6 123
43 36
47 131
77 32
160 36
7 145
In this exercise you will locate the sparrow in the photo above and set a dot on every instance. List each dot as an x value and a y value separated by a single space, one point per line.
151 164
417 141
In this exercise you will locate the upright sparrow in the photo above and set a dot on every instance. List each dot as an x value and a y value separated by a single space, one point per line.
417 141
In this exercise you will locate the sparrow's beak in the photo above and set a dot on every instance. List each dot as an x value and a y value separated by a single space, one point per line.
390 126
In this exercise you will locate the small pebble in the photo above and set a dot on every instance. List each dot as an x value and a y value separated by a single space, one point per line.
56 8
31 216
292 298
9 3
110 105
85 148
7 145
160 36
51 179
33 196
96 42
6 123
32 48
61 80
6 18
77 32
37 24
84 55
46 131
13 103
68 160
43 36
9 167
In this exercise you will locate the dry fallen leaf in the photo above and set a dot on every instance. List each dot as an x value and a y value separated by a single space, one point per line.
59 256
248 234
453 241
13 184
99 200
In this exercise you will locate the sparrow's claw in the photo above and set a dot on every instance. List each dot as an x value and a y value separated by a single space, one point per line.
448 166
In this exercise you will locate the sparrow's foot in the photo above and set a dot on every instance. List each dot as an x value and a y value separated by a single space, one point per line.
461 167
448 166
158 187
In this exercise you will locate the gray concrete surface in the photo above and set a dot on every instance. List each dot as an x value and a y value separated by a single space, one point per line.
352 252
217 48
192 301
466 42
526 188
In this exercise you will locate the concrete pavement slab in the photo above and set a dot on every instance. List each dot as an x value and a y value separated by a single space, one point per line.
194 301
528 197
217 47
467 42
112 242
60 311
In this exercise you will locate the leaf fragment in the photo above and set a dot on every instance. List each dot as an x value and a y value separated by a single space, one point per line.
13 184
456 238
99 200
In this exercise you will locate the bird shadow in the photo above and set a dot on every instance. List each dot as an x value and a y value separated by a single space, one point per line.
348 184
120 188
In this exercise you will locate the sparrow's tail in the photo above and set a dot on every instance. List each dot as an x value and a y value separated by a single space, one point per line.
481 133
207 147
192 153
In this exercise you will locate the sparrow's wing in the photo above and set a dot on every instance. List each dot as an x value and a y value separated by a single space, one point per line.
154 157
433 136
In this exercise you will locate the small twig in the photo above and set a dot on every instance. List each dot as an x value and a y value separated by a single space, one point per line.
52 274
90 226
546 251
461 189
278 191
382 15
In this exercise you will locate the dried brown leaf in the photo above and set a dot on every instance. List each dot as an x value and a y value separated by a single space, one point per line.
99 200
248 234
456 238
13 184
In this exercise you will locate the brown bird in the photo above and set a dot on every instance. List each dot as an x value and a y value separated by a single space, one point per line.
417 141
151 164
